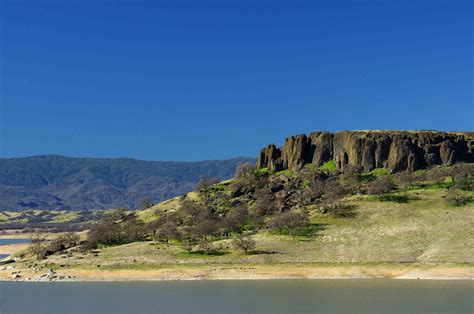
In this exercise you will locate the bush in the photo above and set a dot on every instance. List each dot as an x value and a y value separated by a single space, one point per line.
455 198
289 222
381 185
116 228
405 180
206 246
63 242
167 231
187 245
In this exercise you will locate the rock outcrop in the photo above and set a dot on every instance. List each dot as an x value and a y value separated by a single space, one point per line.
367 150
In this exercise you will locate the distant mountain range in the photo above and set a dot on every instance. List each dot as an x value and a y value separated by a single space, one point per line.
58 182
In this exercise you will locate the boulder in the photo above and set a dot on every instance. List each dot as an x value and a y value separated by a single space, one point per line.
277 188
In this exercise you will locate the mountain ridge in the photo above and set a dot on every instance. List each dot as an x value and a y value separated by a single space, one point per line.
61 182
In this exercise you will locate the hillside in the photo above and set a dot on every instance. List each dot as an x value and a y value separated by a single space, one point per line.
64 183
310 223
308 220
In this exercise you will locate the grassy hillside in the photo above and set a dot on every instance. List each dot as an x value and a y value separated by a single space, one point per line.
423 230
423 227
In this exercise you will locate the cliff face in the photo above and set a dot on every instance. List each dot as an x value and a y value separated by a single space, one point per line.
395 150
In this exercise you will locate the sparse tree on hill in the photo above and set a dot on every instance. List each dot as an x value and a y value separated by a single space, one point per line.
460 174
187 245
380 186
189 212
333 191
243 169
204 183
292 222
63 242
37 246
405 180
167 231
454 197
234 221
145 202
244 243
206 246
437 175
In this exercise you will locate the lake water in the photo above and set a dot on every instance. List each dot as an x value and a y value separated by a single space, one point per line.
246 296
11 241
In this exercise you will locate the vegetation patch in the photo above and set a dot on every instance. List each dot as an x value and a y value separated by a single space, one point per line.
328 166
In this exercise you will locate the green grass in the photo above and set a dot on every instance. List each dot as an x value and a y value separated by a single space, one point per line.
262 171
372 175
311 167
287 173
329 166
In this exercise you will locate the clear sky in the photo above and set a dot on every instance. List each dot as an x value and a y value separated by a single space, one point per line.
194 80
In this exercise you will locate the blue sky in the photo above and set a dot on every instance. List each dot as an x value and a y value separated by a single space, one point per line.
194 80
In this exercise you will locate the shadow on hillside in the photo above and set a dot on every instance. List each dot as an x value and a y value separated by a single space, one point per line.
394 198
203 253
311 231
341 210
264 252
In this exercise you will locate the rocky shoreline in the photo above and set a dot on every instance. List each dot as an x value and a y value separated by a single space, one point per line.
239 272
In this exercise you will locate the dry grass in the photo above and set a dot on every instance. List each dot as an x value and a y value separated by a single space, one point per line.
396 240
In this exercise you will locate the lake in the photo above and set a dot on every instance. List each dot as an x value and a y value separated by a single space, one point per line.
11 241
245 296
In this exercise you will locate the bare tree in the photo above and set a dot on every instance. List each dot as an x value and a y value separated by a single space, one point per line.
205 182
206 246
63 242
234 221
37 246
381 185
145 202
461 173
333 191
167 232
291 222
437 175
405 180
243 169
187 245
454 197
244 243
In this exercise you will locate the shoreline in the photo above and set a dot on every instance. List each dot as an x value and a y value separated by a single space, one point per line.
244 272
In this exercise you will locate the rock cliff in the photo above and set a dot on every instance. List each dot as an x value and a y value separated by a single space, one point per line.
395 150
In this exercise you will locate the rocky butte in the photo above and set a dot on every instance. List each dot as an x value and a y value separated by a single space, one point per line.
367 150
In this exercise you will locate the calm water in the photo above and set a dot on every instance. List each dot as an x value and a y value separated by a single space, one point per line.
11 241
282 296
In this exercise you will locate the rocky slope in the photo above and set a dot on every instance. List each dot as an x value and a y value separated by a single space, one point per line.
57 182
395 150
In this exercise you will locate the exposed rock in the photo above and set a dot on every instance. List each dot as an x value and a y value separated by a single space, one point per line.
395 150
296 152
6 261
277 188
270 157
321 147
